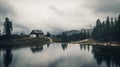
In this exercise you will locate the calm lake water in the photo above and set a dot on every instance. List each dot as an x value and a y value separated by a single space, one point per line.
60 55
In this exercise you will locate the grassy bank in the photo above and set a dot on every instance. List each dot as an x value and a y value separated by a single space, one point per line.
24 41
58 40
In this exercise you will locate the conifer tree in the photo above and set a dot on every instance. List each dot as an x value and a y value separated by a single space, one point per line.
8 28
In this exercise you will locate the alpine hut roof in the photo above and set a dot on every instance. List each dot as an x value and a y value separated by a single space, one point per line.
36 32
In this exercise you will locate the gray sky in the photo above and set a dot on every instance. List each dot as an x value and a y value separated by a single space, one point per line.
56 15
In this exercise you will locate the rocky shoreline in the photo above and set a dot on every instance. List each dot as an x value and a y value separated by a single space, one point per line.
93 42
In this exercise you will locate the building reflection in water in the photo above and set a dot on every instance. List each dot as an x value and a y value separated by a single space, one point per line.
48 44
35 49
108 54
8 57
64 46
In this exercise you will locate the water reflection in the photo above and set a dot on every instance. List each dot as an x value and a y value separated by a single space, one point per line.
8 57
35 49
64 46
85 47
48 44
82 55
108 54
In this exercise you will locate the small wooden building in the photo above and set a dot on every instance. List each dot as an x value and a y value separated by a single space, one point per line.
36 34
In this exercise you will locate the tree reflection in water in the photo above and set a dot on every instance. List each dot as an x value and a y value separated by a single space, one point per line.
108 54
8 57
64 46
85 47
104 56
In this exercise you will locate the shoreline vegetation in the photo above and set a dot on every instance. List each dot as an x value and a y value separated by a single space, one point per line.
42 41
24 42
37 41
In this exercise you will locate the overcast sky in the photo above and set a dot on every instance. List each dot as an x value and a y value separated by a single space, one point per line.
56 15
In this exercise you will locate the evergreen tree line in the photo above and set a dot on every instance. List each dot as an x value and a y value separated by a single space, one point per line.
108 30
74 37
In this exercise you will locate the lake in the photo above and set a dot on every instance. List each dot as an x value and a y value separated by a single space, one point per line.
60 55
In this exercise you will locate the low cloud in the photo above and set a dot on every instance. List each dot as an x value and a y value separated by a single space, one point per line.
6 8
